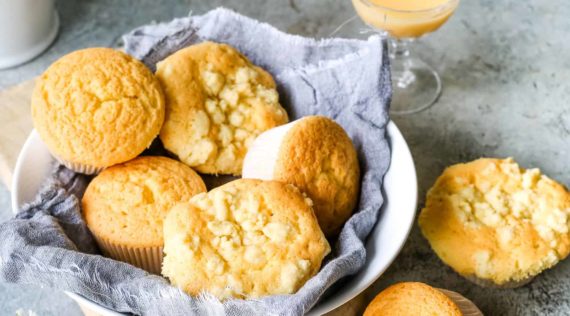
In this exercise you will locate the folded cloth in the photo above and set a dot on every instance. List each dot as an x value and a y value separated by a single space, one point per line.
348 80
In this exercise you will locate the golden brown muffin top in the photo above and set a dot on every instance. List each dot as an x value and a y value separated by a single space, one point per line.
412 299
98 107
217 103
496 221
245 239
126 204
318 157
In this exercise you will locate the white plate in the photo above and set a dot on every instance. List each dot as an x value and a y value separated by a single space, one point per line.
383 245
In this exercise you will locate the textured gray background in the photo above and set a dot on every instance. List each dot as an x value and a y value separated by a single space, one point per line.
505 67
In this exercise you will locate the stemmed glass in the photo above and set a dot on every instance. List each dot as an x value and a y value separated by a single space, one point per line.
415 84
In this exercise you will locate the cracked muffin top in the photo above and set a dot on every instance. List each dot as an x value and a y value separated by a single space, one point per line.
245 239
97 107
126 204
217 102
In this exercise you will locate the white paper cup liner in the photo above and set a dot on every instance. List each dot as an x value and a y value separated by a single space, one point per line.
80 168
146 258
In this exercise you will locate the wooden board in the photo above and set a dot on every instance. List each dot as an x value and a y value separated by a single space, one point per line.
15 125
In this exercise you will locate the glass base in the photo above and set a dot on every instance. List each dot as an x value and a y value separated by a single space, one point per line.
415 85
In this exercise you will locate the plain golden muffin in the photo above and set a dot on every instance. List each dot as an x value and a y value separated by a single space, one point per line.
245 239
97 107
497 223
412 299
217 102
125 205
316 155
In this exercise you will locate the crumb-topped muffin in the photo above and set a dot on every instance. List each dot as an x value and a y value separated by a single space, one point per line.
496 223
316 155
125 205
245 239
411 299
97 107
217 102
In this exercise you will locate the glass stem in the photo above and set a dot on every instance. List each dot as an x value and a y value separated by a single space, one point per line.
402 63
400 48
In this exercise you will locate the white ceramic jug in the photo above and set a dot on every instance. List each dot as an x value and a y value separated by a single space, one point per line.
27 28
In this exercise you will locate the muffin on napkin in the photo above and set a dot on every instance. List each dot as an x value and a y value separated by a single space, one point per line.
217 102
314 154
245 239
97 107
496 223
125 205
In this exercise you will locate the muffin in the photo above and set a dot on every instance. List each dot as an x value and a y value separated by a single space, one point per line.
125 205
496 223
97 107
316 155
245 239
217 102
414 298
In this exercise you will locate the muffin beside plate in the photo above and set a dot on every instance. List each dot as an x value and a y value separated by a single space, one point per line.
495 223
245 239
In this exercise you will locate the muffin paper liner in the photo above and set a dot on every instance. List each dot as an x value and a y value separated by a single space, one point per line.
77 167
467 307
146 258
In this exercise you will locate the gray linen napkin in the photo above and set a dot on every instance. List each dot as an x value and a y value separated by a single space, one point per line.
348 80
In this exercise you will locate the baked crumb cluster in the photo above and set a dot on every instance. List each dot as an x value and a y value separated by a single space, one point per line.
217 102
515 200
514 221
235 240
230 120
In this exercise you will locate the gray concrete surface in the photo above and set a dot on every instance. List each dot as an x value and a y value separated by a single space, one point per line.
505 67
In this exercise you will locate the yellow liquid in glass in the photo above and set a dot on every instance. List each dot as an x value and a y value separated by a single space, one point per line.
405 18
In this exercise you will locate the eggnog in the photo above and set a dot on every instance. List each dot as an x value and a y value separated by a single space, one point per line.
405 18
